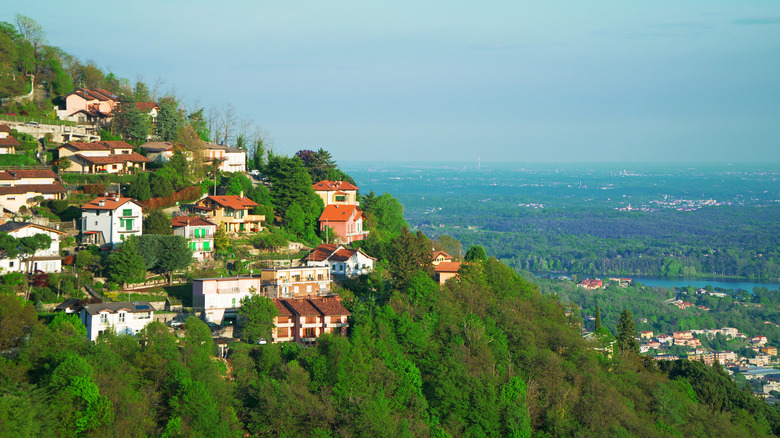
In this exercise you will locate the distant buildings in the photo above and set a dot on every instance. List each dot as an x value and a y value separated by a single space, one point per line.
591 283
102 157
8 143
336 192
199 232
341 260
22 188
305 320
346 221
233 212
231 159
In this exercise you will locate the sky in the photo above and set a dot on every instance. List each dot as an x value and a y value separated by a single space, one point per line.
496 81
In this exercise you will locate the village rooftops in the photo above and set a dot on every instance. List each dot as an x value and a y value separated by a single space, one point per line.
33 188
448 267
9 227
112 159
9 141
330 306
98 145
302 307
145 106
157 146
331 186
5 128
108 203
26 174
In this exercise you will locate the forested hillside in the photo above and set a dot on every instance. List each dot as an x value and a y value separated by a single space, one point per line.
485 356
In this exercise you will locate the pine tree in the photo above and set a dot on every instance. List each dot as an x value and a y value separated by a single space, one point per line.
626 339
125 264
597 327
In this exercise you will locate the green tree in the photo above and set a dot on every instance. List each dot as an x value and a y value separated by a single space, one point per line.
221 240
476 253
256 316
28 246
157 222
174 255
17 318
129 121
409 254
140 189
63 164
626 338
319 164
126 265
169 119
597 325
161 186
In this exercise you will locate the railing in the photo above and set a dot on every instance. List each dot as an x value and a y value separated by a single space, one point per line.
40 120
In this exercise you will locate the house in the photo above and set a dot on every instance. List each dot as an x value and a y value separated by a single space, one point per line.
102 157
232 212
666 339
621 282
446 270
336 192
646 335
591 283
199 232
124 317
304 320
89 105
342 261
725 356
440 256
772 351
8 143
284 323
25 186
346 221
46 260
150 109
158 151
231 159
221 297
109 220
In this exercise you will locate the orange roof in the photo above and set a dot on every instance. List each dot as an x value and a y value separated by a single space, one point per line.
182 221
145 106
322 252
441 253
121 158
340 213
329 186
302 307
281 308
233 201
329 306
109 203
9 141
94 146
33 188
5 128
27 173
95 94
448 267
116 144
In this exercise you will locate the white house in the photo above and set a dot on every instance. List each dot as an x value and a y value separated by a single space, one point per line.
46 260
109 220
233 159
24 187
124 317
199 232
341 260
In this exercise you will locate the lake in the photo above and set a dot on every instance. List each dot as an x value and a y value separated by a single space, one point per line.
699 283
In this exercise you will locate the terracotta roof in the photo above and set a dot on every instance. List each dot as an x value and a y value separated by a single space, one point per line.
233 201
448 267
9 141
5 128
94 146
95 94
329 306
329 186
281 308
110 203
343 254
441 253
31 173
113 159
5 176
145 106
322 252
340 213
9 227
302 307
33 188
182 221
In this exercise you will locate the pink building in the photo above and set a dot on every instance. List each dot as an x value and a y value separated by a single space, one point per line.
346 221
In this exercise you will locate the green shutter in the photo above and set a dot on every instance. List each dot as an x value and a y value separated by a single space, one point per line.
206 246
127 212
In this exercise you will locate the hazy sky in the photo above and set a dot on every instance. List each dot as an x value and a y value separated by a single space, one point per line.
455 80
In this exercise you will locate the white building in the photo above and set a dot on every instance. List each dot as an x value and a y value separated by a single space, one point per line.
46 260
233 159
109 220
124 317
341 260
24 187
199 232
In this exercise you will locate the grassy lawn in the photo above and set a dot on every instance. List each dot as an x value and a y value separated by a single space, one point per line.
180 292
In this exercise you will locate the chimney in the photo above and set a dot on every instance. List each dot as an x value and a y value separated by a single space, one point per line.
102 203
116 197
242 193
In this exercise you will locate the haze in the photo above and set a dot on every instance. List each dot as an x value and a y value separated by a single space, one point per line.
455 80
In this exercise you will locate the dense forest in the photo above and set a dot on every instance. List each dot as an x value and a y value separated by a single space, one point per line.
485 356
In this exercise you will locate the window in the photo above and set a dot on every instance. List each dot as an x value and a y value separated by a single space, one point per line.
121 316
234 302
341 198
284 332
104 318
127 212
308 288
129 224
295 290
206 246
193 246
309 333
95 223
144 315
10 264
